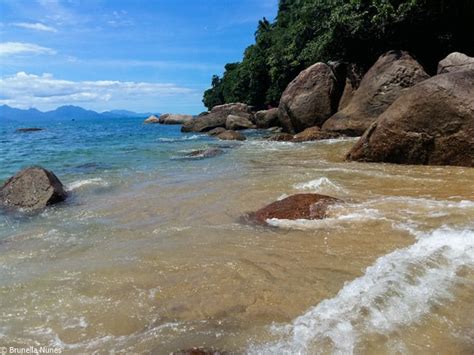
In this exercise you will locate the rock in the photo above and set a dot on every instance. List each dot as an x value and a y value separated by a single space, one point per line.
267 118
299 206
352 81
431 123
152 119
216 131
310 99
231 135
203 113
274 129
29 129
217 117
313 134
393 72
31 189
238 122
205 153
455 62
281 137
173 118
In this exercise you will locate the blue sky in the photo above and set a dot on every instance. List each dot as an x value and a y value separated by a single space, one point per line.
141 55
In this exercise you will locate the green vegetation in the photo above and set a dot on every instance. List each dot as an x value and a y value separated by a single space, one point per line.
356 31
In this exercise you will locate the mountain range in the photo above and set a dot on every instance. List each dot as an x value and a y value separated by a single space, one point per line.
64 112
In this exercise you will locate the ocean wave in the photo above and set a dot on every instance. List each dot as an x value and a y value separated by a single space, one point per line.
80 183
396 291
323 185
179 139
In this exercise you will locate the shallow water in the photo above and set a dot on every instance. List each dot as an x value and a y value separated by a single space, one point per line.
148 254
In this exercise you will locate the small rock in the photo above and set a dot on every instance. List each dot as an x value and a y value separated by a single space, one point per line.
231 135
152 119
31 189
267 118
199 351
281 137
314 134
216 131
29 129
299 206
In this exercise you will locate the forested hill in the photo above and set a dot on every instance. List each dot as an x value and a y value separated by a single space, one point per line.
355 31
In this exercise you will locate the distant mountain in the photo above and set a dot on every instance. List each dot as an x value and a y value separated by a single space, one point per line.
64 112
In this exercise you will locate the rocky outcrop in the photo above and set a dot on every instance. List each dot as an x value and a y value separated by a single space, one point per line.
310 99
234 122
299 206
152 119
231 136
314 134
28 129
31 189
267 118
217 117
216 131
173 118
455 62
431 123
393 72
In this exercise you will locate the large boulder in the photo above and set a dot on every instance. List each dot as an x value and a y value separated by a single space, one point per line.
231 136
299 206
310 99
314 134
455 62
431 123
152 119
216 131
173 118
393 72
267 118
31 189
352 81
234 122
217 117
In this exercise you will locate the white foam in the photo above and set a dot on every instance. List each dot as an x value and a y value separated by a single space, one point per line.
178 139
323 184
79 183
397 291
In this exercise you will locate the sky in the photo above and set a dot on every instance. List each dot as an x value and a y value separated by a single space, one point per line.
139 55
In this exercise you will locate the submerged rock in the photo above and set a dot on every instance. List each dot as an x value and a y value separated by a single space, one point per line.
217 117
29 129
299 206
234 122
314 134
310 99
205 153
393 72
31 189
152 119
455 62
231 135
174 118
431 123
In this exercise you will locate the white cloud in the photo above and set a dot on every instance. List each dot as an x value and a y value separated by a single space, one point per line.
25 90
13 48
35 26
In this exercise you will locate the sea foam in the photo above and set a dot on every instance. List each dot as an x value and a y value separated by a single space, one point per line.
396 291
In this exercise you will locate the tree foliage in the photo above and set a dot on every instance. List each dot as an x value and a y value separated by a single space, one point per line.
356 31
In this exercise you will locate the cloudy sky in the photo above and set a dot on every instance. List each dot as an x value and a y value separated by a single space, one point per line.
140 55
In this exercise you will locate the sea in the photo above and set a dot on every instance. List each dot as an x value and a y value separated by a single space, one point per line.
149 253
